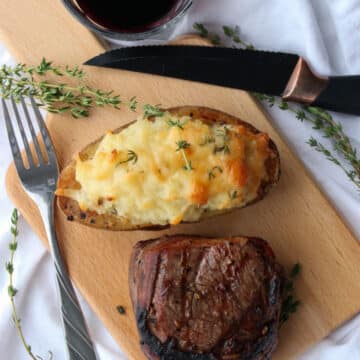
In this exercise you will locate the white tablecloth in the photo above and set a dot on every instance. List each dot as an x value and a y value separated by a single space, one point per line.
327 33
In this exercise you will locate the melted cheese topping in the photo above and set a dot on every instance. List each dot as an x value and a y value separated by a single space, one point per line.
171 170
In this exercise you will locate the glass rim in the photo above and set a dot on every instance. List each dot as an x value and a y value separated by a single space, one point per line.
125 36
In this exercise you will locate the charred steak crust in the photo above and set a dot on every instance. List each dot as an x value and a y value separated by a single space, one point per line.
154 349
207 298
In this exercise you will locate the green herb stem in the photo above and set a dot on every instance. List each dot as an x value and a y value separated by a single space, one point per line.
12 292
352 175
11 289
182 145
321 120
187 165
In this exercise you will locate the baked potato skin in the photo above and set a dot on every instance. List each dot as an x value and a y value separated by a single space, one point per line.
209 116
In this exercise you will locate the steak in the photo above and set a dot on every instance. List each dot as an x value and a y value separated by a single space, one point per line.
206 298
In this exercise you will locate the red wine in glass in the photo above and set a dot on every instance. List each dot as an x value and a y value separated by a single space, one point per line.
128 16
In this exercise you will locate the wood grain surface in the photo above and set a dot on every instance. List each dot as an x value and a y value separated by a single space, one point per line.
295 218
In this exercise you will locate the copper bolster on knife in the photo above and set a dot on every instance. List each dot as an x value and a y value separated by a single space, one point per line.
304 86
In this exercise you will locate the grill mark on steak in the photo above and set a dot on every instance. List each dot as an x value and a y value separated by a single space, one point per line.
210 298
151 316
154 349
184 287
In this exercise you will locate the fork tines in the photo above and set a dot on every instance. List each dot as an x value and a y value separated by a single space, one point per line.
43 153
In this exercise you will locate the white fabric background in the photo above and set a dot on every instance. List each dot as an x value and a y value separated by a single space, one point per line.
327 33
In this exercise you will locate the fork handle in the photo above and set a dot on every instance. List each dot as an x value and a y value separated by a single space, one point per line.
79 344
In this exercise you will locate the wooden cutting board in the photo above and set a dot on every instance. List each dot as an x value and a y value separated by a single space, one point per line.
295 218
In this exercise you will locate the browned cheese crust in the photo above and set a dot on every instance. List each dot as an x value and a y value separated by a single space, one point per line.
206 298
67 178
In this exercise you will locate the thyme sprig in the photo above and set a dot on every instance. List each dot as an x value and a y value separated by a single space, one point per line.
289 304
12 291
175 123
52 88
133 104
351 174
131 157
182 145
152 110
203 32
234 34
321 120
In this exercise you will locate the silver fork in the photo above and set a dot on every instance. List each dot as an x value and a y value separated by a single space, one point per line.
39 181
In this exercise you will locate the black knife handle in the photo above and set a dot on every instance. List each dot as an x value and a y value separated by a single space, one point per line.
342 93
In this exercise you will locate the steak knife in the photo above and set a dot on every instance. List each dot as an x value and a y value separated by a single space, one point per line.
272 73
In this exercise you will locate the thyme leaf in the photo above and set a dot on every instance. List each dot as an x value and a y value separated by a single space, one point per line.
203 32
224 148
211 173
131 157
234 34
133 103
175 123
152 110
182 144
289 303
120 309
233 194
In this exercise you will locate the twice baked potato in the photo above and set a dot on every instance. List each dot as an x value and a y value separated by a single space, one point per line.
185 165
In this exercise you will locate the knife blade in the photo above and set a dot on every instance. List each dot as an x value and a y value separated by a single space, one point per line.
272 73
